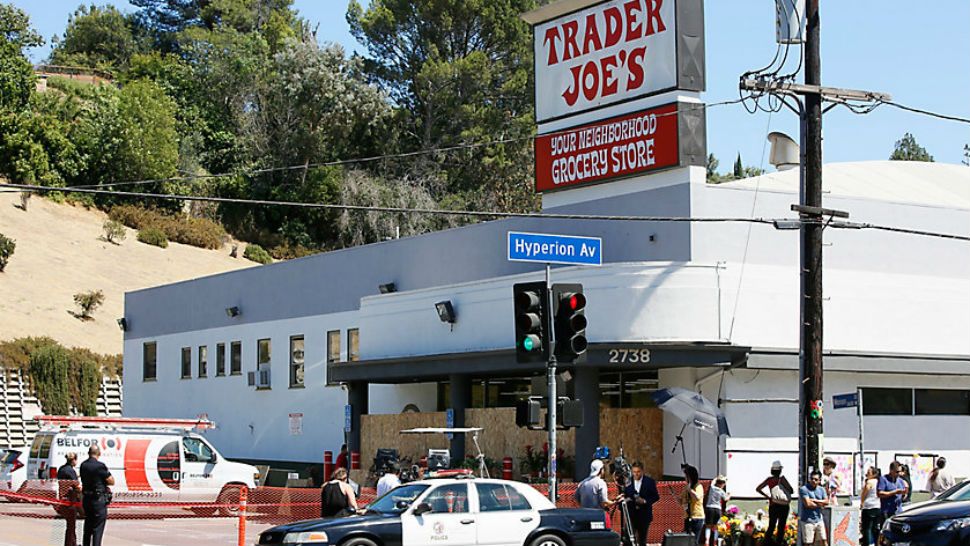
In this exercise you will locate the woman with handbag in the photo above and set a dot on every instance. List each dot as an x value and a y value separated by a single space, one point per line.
779 503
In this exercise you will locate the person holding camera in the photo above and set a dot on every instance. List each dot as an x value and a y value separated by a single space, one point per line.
390 479
640 495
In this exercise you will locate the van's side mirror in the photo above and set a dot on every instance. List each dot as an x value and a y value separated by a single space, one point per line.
213 459
422 508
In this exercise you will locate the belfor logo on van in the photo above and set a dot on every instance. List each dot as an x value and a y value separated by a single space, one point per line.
110 444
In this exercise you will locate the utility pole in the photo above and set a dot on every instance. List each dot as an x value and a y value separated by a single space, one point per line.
810 357
812 223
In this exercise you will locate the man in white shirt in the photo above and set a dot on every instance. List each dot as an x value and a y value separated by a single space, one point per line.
389 480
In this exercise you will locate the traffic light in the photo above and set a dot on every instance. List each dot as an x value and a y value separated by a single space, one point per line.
527 412
569 316
531 337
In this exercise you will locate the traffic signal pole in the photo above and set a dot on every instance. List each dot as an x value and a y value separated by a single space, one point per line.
551 382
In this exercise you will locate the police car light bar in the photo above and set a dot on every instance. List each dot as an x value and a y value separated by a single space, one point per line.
125 422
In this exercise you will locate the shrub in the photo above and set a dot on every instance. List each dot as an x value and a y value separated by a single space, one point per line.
286 251
257 254
49 372
153 236
7 246
114 232
200 232
88 302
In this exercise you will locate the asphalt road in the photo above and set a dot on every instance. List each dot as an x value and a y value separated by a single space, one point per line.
30 525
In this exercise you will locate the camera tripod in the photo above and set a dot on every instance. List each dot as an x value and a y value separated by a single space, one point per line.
626 524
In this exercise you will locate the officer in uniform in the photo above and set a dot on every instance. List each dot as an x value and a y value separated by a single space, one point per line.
95 480
70 492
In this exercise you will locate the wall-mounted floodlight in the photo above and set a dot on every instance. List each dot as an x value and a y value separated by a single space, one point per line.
233 312
123 324
787 224
446 311
387 288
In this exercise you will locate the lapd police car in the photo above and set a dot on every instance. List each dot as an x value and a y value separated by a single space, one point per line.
454 512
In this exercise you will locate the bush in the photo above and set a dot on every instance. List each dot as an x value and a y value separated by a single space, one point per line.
257 254
49 372
114 232
88 302
286 251
7 246
200 232
153 236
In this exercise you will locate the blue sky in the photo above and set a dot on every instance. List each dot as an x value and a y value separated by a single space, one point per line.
918 53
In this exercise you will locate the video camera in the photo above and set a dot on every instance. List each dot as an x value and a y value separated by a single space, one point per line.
619 467
409 473
384 459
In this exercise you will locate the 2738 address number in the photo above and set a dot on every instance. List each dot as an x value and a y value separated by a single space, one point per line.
632 356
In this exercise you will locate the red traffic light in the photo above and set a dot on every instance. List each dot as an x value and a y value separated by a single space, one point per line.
576 301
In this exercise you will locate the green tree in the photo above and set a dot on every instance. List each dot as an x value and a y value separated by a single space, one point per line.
49 371
7 247
16 73
459 70
141 141
738 168
907 149
96 37
15 28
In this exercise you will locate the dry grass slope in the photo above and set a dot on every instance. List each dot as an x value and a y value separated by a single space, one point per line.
60 252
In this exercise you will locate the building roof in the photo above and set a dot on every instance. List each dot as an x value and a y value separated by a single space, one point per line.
907 182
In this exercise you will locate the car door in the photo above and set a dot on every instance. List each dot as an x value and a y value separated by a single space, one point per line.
450 522
198 465
505 517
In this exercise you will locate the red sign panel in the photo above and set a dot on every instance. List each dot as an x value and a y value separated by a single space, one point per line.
622 146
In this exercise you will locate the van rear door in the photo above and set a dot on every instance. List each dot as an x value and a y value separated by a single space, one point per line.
39 462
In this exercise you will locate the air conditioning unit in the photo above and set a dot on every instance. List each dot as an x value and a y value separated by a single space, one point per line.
259 379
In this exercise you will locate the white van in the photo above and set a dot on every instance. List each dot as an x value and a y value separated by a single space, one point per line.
160 460
13 469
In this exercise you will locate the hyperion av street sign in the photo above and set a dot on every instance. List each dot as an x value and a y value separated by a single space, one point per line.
555 249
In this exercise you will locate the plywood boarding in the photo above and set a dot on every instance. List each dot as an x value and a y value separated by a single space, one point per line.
638 430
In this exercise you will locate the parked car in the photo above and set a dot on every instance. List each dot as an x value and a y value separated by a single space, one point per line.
13 468
455 512
960 491
936 523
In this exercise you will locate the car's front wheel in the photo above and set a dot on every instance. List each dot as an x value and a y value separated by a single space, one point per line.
547 540
359 541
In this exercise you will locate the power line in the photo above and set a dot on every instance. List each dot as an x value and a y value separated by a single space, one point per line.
371 159
927 112
485 214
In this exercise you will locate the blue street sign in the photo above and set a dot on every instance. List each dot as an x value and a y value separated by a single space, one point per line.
555 249
348 412
850 400
450 421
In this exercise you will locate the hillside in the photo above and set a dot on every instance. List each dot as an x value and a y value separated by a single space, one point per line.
60 252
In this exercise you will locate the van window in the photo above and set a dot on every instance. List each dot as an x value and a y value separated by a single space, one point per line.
41 448
196 450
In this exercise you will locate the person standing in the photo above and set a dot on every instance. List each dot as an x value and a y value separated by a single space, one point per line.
337 497
693 502
830 480
342 458
70 491
640 495
891 490
592 492
717 495
95 480
812 498
904 474
779 503
940 479
390 479
870 508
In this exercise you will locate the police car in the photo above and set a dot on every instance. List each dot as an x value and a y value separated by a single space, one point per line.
454 512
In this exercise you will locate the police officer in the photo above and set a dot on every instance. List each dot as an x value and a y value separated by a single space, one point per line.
95 480
70 492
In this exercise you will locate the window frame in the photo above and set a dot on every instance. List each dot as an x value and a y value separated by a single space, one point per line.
144 361
353 339
235 364
203 361
221 359
294 365
917 410
186 369
333 346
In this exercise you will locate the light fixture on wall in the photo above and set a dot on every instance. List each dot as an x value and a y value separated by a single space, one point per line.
233 311
446 311
387 288
123 324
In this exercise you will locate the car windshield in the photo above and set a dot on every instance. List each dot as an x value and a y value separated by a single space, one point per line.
398 499
959 492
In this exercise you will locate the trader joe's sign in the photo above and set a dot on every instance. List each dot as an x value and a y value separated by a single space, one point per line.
608 53
623 146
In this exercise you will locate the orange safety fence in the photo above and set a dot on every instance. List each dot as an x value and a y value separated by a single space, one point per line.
245 513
